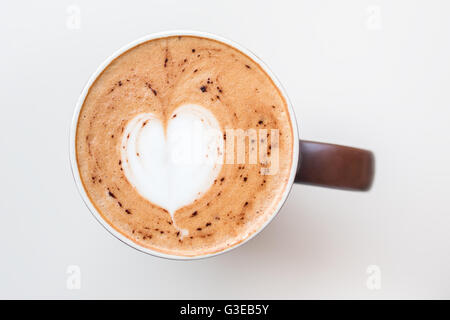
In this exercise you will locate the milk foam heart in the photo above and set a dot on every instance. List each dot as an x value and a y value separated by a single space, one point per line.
173 166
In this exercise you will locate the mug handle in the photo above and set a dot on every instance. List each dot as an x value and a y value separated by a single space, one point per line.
335 166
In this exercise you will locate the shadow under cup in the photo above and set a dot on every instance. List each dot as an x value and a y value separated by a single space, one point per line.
312 162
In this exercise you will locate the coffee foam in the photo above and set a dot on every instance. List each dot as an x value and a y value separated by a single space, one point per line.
156 78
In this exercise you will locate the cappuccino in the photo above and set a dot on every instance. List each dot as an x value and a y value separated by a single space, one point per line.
184 145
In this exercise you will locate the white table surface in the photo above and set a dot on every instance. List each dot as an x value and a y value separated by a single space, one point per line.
372 74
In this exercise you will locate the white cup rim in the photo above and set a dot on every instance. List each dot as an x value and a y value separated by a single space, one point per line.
74 123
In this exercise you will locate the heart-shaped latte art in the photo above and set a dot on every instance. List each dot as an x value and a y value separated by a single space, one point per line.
173 165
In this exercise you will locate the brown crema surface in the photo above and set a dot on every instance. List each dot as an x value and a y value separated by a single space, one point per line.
158 76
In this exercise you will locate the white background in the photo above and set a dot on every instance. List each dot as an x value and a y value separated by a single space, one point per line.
372 74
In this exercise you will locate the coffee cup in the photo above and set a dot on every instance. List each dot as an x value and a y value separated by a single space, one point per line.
314 163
